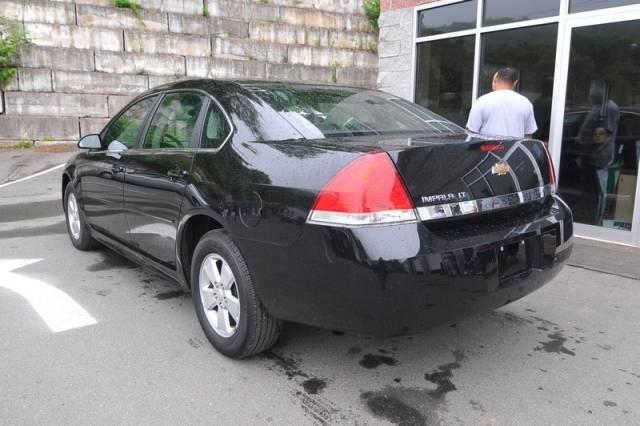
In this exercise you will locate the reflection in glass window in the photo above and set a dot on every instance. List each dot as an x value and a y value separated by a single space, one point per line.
444 81
584 5
320 112
172 125
601 138
532 52
216 128
446 19
123 133
505 11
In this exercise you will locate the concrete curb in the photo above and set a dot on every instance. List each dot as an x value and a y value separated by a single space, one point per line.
14 143
49 143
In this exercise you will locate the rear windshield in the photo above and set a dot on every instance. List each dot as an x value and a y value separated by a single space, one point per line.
319 112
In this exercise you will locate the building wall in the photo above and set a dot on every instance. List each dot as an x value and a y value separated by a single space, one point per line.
87 58
388 5
395 46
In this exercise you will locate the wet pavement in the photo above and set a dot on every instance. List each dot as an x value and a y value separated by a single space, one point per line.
18 163
566 354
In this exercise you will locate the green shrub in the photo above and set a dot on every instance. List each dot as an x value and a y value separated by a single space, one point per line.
11 39
24 144
128 4
372 10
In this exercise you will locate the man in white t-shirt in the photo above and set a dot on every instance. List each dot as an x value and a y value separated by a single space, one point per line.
503 112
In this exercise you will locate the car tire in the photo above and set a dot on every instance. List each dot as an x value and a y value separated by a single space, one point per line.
228 309
77 227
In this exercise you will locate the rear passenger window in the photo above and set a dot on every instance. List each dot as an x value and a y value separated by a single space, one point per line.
216 128
123 133
172 125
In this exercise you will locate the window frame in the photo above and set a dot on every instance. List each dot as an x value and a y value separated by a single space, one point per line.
196 136
567 22
214 101
193 143
198 128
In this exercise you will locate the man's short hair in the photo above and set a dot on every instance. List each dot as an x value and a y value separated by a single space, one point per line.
507 74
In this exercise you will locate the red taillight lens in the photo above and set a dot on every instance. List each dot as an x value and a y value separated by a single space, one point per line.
491 147
552 170
367 191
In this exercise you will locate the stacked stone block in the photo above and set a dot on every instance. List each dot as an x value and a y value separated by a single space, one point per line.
87 59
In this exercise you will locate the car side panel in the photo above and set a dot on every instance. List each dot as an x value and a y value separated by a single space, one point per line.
153 192
262 191
101 176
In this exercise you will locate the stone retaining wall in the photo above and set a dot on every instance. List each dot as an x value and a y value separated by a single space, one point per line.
87 58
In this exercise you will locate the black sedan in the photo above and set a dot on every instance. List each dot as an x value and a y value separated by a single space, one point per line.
337 207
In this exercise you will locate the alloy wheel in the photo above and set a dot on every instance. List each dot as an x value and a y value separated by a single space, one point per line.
219 295
73 216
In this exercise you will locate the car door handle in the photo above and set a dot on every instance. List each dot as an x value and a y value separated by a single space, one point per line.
177 173
117 169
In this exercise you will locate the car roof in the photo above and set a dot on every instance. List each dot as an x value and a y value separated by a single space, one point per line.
214 86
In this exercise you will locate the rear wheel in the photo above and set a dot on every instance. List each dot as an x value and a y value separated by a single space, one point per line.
76 225
228 309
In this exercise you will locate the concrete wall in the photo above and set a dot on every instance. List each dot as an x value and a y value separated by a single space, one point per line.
395 46
87 58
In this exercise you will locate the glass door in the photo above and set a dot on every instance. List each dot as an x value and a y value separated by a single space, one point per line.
599 153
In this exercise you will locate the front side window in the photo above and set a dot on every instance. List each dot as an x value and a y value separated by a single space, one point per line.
172 125
216 128
123 133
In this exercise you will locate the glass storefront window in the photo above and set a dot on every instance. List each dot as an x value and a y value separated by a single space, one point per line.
532 51
505 11
444 81
601 138
585 5
449 18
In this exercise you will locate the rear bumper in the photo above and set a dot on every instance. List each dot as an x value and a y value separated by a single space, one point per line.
396 280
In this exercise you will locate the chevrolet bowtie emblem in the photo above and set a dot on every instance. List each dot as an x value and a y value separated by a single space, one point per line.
500 169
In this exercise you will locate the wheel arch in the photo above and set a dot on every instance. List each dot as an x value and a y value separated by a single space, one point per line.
66 179
191 230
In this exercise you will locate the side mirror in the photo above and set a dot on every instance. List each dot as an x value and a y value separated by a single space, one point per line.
90 142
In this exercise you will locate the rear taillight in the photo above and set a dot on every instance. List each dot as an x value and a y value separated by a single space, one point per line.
368 191
552 170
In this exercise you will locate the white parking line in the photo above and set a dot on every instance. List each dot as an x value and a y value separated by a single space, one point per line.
59 166
55 307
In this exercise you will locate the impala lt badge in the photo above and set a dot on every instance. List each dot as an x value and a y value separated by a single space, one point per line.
500 169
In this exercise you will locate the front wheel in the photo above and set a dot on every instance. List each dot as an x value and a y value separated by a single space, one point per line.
232 317
76 226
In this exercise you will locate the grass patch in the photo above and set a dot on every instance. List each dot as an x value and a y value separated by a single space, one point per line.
24 144
334 72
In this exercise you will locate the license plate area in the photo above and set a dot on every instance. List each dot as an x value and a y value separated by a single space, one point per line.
519 257
515 258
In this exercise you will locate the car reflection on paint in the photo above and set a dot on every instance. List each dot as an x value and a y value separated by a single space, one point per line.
337 207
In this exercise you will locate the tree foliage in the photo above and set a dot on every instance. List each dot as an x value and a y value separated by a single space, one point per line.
372 10
11 39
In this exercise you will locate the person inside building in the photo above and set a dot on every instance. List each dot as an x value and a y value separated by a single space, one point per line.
503 112
597 137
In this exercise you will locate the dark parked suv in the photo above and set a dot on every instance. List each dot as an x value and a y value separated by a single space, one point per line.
338 207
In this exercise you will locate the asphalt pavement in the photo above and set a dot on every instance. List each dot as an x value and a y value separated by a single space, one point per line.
90 338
